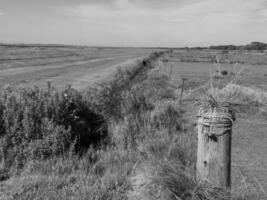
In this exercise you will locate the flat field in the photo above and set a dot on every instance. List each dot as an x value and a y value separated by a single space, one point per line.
79 66
197 66
249 148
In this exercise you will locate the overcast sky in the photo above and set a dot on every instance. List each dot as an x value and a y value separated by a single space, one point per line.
133 22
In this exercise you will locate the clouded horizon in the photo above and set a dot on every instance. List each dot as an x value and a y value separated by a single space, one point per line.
173 23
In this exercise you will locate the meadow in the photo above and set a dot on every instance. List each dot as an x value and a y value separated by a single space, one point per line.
131 135
27 65
245 77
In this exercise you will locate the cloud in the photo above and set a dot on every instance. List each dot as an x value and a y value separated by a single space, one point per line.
170 10
120 12
168 21
128 11
152 4
258 15
136 22
234 10
1 13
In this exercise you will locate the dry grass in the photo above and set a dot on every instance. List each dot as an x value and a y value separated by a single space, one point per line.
78 66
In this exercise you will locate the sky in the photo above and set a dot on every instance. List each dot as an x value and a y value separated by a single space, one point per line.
145 23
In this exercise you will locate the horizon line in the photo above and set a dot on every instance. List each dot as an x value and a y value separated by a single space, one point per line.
103 46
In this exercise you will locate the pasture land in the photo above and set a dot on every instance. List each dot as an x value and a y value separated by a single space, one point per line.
228 57
197 66
22 66
248 71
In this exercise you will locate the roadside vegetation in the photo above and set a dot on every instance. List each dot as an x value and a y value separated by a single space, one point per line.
128 138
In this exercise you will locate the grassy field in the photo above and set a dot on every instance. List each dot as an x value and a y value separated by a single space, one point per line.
199 64
128 138
80 66
249 135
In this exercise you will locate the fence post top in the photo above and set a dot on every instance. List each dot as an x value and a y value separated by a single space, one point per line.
217 112
218 119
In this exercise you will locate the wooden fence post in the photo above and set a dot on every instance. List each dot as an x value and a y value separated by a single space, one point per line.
214 146
182 91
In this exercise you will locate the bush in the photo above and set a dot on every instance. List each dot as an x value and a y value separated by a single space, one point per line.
40 123
87 127
54 141
224 72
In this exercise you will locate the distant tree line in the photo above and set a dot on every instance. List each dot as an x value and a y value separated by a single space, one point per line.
252 46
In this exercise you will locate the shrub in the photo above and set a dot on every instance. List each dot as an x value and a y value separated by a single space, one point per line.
42 123
87 127
224 72
54 141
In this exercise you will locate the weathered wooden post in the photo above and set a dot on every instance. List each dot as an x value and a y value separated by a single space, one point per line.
182 91
214 146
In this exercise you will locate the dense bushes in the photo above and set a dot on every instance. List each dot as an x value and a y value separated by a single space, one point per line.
40 123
